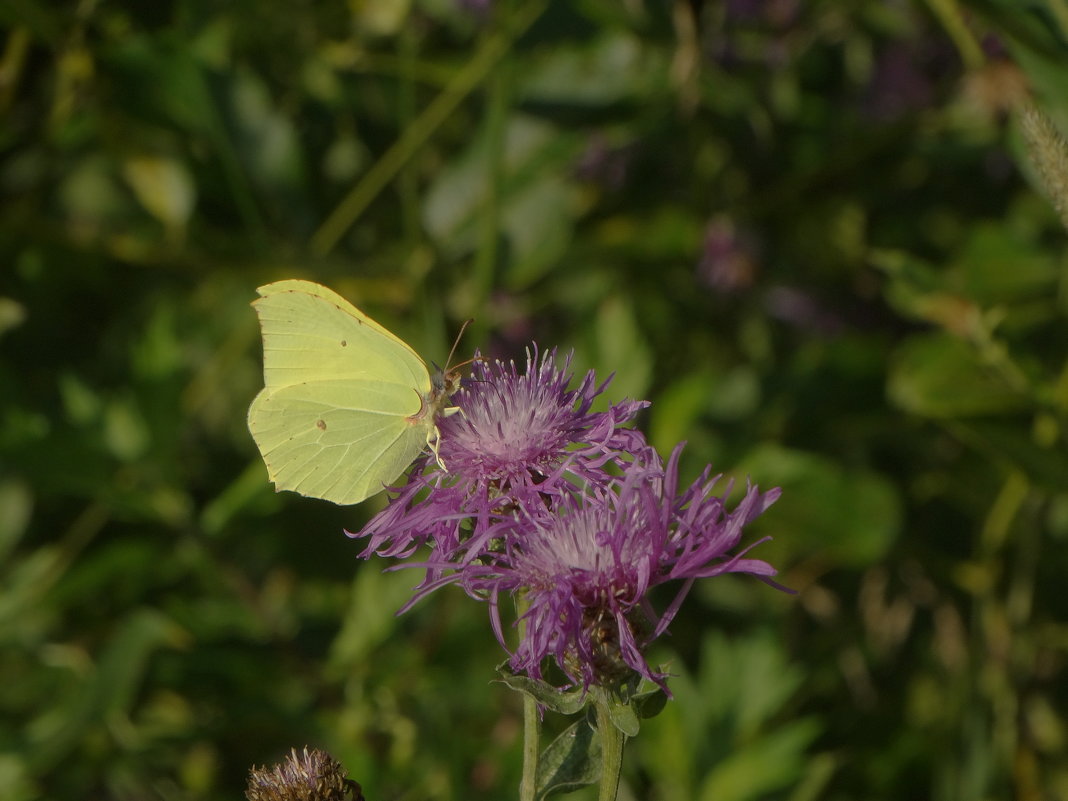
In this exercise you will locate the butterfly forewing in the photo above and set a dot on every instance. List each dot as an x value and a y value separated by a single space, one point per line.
310 336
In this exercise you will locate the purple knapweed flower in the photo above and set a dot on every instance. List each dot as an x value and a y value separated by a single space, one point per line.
583 569
519 440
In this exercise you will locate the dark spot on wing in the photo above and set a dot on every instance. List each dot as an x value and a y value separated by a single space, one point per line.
344 343
321 425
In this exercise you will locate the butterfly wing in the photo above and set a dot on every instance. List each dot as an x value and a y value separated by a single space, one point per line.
311 333
339 441
335 417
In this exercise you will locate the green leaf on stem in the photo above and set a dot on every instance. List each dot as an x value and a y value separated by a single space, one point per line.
623 716
649 704
564 702
571 761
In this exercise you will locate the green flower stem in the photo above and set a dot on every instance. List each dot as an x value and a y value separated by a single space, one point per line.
495 125
611 751
531 746
474 73
407 177
528 785
1059 10
951 15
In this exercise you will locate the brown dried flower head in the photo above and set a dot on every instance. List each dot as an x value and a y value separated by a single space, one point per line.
309 776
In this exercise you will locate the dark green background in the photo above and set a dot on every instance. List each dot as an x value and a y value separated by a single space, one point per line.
808 232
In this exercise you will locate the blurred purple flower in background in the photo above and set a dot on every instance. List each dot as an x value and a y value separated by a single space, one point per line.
728 259
898 83
801 310
479 9
766 40
603 163
910 74
777 13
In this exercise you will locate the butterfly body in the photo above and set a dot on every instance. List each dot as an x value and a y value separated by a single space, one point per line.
346 405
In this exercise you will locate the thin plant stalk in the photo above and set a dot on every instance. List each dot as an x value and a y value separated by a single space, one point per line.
417 133
612 740
495 130
528 785
531 744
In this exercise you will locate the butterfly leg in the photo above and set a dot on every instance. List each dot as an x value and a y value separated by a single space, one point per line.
433 439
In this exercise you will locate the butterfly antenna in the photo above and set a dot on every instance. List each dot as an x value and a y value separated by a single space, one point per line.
456 343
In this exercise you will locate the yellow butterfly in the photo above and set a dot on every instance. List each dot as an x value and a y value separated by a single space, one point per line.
346 405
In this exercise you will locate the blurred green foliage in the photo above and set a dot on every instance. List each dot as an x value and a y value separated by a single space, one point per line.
810 233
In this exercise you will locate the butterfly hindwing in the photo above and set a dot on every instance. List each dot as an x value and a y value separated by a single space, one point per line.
315 443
